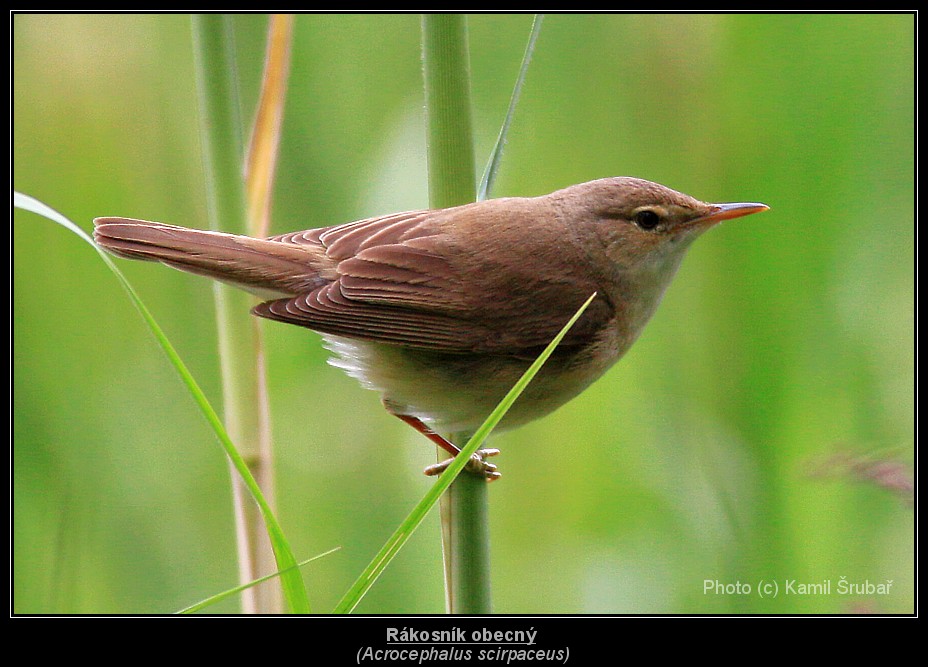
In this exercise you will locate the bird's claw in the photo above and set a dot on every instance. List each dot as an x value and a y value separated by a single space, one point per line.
476 465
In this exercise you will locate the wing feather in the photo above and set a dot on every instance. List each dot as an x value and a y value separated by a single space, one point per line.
403 279
327 310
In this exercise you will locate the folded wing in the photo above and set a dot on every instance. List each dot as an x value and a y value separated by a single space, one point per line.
399 279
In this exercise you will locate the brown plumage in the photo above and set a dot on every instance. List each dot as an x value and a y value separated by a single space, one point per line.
442 310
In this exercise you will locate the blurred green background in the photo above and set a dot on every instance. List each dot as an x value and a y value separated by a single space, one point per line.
745 438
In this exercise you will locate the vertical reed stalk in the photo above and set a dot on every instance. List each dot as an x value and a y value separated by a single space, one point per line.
465 529
452 181
243 382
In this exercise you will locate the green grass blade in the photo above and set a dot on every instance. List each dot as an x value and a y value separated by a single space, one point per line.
27 203
489 174
409 525
294 590
219 597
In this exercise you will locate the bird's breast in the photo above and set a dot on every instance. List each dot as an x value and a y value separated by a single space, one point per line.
457 392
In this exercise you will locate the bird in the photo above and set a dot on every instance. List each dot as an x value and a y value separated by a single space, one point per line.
442 310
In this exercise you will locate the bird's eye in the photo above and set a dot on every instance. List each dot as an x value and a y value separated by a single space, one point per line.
647 219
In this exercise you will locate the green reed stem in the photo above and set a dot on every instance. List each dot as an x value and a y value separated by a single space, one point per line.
243 382
452 181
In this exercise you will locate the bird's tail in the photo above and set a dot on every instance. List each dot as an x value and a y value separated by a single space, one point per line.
257 265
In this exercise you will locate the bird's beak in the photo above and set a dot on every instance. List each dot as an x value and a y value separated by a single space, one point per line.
719 212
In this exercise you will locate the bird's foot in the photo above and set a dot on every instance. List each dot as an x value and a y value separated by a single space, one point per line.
477 465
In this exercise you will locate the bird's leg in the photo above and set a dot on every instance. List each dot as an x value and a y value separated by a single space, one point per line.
477 464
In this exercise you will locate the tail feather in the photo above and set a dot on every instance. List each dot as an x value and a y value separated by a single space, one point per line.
257 265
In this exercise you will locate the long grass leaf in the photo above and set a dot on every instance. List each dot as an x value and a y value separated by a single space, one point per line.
409 525
219 597
293 582
489 173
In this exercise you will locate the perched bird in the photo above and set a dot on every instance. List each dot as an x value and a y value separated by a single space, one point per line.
441 311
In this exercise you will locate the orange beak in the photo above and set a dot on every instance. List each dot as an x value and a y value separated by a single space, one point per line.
721 212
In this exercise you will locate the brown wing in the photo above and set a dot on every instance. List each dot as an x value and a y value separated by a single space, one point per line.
406 279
